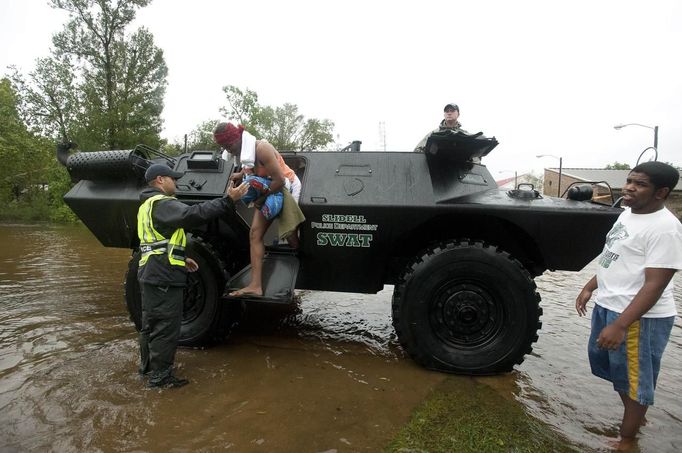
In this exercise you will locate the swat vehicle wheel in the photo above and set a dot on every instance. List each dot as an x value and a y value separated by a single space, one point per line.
205 318
466 307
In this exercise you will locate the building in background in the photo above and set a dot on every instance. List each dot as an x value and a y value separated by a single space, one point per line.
601 180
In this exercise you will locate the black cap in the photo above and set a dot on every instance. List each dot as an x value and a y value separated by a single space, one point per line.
155 170
451 105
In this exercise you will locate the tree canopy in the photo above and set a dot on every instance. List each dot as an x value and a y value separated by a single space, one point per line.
100 87
15 141
28 170
103 86
617 166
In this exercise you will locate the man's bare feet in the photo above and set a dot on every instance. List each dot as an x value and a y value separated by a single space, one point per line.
248 291
623 444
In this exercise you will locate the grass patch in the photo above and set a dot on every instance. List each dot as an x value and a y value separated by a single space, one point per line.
462 415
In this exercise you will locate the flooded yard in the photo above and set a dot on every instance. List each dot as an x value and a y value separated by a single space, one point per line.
328 375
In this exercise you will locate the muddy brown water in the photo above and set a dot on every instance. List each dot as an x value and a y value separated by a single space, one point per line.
329 376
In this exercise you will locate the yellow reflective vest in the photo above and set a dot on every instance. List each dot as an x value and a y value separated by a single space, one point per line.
152 242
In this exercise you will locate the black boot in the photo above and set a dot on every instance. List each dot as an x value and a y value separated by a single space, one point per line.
170 382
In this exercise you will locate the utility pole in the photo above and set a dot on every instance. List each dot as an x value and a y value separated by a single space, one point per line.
382 135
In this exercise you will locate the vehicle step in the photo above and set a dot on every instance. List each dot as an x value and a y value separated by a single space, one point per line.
280 270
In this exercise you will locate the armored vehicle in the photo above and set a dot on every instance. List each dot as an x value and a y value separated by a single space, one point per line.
460 253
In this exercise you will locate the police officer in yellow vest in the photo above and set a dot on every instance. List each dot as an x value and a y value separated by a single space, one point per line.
163 269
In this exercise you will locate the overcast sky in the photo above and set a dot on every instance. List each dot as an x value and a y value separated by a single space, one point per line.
543 77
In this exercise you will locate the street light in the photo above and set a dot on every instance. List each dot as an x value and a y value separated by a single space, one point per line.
558 187
654 128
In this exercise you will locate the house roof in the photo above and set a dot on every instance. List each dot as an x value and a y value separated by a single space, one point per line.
520 178
504 181
614 178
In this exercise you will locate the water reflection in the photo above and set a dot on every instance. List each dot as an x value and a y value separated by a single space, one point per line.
327 374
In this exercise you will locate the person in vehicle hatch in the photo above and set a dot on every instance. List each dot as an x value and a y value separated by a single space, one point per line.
450 122
634 307
260 158
163 267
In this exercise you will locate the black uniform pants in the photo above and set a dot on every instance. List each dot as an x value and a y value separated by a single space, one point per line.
161 320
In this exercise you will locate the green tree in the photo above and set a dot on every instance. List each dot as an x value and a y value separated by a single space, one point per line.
14 139
47 99
537 179
617 166
101 87
201 138
284 127
28 164
244 106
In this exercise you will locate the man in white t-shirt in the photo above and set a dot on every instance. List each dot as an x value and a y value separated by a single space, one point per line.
634 307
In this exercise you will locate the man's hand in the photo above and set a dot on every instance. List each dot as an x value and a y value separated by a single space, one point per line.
236 193
582 300
585 296
611 336
236 176
191 265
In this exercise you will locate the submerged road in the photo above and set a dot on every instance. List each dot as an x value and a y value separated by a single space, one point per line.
327 375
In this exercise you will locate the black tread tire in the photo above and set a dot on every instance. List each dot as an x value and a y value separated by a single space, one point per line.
206 319
466 307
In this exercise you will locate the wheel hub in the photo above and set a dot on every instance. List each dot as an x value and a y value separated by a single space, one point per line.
465 314
193 302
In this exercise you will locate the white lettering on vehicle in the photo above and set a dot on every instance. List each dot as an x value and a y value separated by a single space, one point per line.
344 222
344 239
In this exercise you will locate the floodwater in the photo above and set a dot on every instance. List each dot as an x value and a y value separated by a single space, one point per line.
326 377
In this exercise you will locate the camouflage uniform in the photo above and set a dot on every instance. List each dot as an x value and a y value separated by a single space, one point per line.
441 127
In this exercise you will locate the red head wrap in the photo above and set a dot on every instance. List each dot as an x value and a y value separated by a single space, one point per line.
226 134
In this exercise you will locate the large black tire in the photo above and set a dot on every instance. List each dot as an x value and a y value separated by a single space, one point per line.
466 307
206 319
